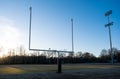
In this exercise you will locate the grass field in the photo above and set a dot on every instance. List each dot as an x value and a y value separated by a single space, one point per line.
69 71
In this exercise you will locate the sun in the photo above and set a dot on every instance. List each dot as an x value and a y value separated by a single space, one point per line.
9 36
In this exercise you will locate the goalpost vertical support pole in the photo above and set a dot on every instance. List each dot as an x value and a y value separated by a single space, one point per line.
59 63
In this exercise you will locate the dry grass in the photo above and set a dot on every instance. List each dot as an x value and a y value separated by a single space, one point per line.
11 70
21 69
70 71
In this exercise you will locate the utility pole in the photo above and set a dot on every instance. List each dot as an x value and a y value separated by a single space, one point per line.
108 25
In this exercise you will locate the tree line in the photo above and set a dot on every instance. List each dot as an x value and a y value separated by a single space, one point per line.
23 57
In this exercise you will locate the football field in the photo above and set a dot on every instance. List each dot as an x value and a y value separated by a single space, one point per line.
69 71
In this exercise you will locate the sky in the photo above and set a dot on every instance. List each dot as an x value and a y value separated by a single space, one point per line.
51 24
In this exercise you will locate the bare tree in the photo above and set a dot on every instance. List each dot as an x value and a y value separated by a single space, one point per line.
79 54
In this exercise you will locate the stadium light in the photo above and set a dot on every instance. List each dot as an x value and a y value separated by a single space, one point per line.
108 13
108 25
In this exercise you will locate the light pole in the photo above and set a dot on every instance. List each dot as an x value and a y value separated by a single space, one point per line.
108 25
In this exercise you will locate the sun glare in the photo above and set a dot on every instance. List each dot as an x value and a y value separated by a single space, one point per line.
9 36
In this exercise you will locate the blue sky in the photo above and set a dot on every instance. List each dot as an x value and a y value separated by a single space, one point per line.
51 23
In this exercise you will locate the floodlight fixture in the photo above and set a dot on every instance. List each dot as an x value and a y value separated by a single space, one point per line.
109 24
108 13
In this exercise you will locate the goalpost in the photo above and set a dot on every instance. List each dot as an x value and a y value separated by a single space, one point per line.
57 51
